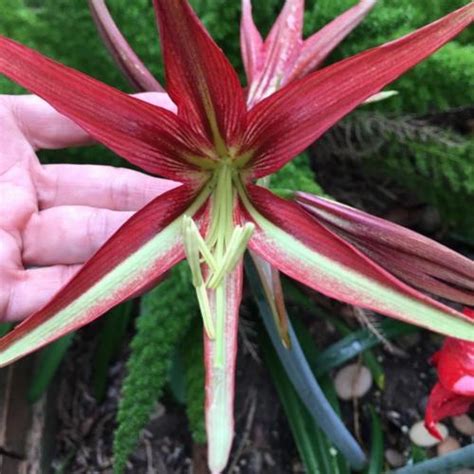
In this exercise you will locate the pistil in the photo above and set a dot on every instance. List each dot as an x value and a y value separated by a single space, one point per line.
220 251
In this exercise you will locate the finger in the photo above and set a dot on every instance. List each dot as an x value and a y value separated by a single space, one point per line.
29 290
107 187
45 128
68 235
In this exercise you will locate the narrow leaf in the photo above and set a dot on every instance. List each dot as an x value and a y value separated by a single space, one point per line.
49 361
111 336
451 462
307 387
357 342
376 444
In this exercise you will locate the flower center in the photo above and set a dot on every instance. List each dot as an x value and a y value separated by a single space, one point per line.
214 257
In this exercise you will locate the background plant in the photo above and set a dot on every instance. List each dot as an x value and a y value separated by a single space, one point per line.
413 138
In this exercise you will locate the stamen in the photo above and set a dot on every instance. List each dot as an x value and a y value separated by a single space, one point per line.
235 249
191 249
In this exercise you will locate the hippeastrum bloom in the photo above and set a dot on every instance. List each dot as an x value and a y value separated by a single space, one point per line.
453 395
217 147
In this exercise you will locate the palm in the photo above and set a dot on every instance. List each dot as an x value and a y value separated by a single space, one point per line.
54 217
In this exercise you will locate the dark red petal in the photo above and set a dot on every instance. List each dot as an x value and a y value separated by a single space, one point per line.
412 257
292 241
318 46
443 403
285 123
145 135
140 252
126 59
279 53
455 365
199 78
250 42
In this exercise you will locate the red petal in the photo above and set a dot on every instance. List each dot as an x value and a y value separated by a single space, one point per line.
199 78
129 63
443 403
288 238
413 258
287 122
250 42
220 381
146 135
138 253
280 52
455 363
318 46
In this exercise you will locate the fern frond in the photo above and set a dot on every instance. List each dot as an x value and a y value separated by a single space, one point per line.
165 316
193 357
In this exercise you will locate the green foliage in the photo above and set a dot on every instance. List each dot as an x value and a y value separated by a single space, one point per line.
165 315
112 333
431 160
296 175
49 361
444 80
193 358
443 175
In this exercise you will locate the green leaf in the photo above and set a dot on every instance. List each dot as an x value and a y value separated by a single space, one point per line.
451 462
302 378
193 356
376 446
317 453
356 342
4 328
49 360
112 333
164 318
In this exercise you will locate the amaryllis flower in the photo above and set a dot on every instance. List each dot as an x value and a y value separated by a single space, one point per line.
216 148
453 395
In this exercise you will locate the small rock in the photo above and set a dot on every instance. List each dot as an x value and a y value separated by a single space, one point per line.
352 381
464 424
448 445
421 437
394 458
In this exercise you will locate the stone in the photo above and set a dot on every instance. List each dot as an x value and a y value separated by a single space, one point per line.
421 437
464 424
352 381
394 458
447 446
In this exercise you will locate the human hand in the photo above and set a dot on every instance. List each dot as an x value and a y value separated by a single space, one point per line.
54 217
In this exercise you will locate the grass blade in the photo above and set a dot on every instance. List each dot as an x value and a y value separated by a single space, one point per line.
376 447
356 342
454 461
301 376
49 360
114 328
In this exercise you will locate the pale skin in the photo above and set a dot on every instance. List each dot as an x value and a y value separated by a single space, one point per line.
54 217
